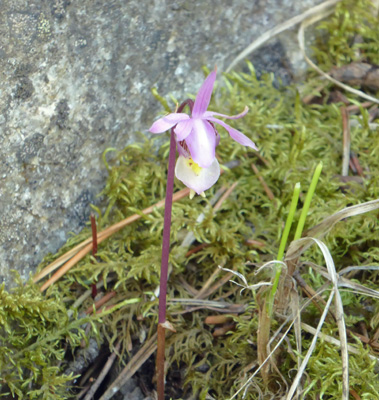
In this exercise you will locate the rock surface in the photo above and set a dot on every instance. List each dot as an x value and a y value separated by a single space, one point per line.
76 79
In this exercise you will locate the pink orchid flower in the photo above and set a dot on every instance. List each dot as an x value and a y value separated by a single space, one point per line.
197 139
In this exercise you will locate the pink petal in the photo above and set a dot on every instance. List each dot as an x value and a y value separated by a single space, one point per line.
208 114
168 121
202 143
183 129
200 182
235 135
204 95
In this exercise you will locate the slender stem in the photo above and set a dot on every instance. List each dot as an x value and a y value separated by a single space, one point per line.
165 256
164 267
166 231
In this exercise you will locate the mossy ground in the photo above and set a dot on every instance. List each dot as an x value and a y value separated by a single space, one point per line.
37 334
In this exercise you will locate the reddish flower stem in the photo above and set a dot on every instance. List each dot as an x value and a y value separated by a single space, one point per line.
94 249
165 256
167 230
164 267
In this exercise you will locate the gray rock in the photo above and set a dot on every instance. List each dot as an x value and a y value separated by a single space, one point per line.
76 79
131 391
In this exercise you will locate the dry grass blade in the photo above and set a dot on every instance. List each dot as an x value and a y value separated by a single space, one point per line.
310 21
281 28
66 267
347 283
322 228
358 288
263 337
333 276
224 196
334 341
327 224
345 141
359 268
104 372
295 308
248 381
132 367
303 365
220 306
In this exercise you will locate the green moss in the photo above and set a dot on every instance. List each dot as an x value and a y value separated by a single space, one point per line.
292 138
352 35
34 330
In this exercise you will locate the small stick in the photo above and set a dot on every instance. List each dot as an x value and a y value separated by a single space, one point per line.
94 235
255 243
355 161
131 368
104 372
100 302
345 141
217 319
207 292
376 336
224 197
309 98
208 283
268 191
191 290
196 249
354 108
223 330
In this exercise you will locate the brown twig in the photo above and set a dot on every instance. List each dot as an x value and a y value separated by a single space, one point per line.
217 285
308 99
355 161
132 367
223 330
94 235
196 249
190 289
104 372
345 141
224 197
100 302
355 108
217 319
207 284
268 191
355 394
219 306
255 243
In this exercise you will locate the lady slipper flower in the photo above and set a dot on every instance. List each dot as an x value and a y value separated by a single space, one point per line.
197 139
